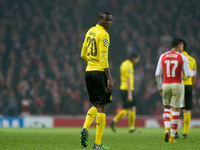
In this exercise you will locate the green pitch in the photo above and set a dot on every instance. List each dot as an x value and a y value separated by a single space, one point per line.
69 138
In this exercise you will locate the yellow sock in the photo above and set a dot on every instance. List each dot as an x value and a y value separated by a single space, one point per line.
186 122
91 114
120 115
100 125
131 119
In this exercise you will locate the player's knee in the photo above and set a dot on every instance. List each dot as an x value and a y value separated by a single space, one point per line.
101 108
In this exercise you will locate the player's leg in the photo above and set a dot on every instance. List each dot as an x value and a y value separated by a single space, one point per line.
186 123
119 116
177 104
187 110
132 114
167 124
131 119
92 112
102 98
100 123
176 134
174 123
100 126
166 118
166 99
123 112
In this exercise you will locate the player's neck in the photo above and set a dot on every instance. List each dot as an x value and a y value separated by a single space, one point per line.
175 50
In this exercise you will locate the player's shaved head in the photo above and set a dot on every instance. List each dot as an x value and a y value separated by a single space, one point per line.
101 14
105 19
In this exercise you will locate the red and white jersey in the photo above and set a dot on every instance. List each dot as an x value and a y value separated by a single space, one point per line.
172 65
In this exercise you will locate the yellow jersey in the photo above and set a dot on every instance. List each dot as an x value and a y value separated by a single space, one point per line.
193 65
95 48
127 70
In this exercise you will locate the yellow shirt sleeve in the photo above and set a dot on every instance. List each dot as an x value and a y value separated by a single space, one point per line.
192 65
104 60
104 42
195 64
84 51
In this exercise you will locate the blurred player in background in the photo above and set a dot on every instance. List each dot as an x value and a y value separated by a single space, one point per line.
172 64
188 82
126 89
98 77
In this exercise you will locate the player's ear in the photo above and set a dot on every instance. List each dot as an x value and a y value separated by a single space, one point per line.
99 21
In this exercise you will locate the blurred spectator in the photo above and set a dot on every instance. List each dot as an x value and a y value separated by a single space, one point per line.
26 102
10 104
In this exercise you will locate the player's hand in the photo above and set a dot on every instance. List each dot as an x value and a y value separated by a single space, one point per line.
129 100
130 97
110 86
195 71
160 92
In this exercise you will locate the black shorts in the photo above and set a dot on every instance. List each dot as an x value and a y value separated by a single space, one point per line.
188 98
96 82
127 104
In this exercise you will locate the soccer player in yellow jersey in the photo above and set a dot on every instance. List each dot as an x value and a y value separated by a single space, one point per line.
98 77
126 89
188 82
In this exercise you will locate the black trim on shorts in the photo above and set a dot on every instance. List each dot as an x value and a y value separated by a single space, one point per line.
127 104
96 83
188 98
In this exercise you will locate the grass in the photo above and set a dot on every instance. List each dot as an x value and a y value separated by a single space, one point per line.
69 138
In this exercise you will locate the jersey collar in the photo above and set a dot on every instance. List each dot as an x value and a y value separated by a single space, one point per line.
99 26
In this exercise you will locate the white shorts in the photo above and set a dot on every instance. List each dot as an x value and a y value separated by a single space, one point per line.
173 94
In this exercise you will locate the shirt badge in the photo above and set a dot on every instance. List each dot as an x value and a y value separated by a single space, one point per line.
105 41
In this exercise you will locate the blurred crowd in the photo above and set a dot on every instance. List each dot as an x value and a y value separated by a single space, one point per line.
41 71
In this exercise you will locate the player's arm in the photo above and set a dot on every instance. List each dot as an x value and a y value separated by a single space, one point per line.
103 48
84 50
194 77
188 73
158 75
110 81
128 73
130 96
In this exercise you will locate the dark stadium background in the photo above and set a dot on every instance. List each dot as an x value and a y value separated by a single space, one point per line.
41 71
